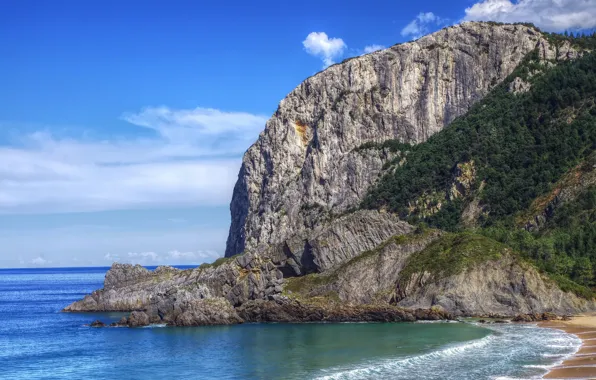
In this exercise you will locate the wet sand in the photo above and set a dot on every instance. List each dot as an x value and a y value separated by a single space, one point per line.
582 365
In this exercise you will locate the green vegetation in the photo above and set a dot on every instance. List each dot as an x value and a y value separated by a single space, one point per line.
566 248
450 255
305 285
521 145
219 262
392 145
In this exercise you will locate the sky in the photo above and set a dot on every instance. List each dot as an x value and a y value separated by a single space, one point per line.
123 123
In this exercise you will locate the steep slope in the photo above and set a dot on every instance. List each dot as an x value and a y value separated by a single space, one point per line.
305 165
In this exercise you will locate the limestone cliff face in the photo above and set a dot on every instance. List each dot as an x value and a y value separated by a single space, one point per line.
305 164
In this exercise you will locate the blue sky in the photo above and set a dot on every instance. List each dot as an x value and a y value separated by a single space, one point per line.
122 123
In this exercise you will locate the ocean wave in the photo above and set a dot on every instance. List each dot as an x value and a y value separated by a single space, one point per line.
394 366
506 354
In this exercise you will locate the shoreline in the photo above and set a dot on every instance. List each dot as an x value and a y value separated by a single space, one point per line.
582 364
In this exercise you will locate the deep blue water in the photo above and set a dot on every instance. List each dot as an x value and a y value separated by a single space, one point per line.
37 341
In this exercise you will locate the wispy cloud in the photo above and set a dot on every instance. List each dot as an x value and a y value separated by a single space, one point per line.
192 159
373 48
39 261
422 24
327 49
550 15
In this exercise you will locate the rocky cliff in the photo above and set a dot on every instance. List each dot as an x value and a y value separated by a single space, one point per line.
306 165
309 255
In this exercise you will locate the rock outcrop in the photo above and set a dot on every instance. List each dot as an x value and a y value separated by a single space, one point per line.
498 284
567 189
290 310
502 287
306 165
209 293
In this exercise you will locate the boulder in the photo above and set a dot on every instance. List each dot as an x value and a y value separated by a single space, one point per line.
138 319
97 323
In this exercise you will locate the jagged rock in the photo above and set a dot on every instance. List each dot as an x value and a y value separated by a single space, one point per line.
519 86
138 319
504 286
290 310
537 317
121 274
211 311
306 165
339 241
97 323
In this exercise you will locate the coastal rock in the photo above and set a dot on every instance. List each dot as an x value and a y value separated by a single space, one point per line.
330 245
504 286
137 319
251 276
306 164
368 278
537 317
121 274
289 310
97 323
211 311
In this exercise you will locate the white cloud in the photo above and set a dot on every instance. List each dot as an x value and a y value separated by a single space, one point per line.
143 256
373 48
111 257
193 159
183 126
39 261
320 45
421 25
172 257
177 256
101 246
549 15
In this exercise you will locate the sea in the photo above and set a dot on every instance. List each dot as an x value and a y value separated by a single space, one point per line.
37 341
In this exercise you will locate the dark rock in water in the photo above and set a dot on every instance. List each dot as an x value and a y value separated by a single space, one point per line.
500 321
121 323
203 312
138 319
523 318
97 323
536 317
481 321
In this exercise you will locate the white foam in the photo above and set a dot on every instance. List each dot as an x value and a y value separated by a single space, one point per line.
398 365
497 356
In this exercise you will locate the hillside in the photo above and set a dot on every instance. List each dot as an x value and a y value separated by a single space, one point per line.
489 167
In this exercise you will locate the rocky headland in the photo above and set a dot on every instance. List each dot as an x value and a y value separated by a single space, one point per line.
301 249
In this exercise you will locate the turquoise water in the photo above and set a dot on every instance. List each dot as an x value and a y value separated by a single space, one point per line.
39 342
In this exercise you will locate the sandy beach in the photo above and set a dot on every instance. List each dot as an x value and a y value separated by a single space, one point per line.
582 365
